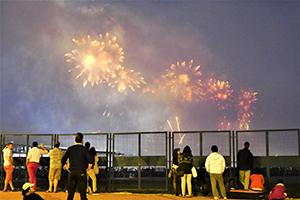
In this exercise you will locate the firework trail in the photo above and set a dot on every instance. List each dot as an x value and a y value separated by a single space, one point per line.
126 79
97 60
219 93
178 129
181 80
245 107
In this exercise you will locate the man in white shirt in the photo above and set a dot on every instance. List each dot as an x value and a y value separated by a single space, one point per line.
215 166
33 160
8 166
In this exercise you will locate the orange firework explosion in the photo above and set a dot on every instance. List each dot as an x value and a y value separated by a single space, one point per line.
127 79
183 80
97 60
245 108
219 92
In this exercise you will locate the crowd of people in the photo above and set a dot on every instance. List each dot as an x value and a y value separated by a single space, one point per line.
81 163
182 166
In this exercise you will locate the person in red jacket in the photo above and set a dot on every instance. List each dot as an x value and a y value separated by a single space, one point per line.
278 192
257 181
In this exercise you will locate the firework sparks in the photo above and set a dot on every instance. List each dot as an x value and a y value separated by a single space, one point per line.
97 60
245 108
219 92
127 79
178 129
183 80
225 124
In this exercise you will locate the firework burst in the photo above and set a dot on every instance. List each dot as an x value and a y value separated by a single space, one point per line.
219 93
97 60
127 79
245 108
183 80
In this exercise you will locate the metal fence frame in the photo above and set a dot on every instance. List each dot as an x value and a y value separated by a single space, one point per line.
139 161
111 160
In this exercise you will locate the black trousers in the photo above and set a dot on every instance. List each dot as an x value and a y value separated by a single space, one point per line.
77 179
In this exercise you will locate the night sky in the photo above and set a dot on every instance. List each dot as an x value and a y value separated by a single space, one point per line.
254 45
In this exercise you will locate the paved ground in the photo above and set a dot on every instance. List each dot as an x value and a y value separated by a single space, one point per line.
104 196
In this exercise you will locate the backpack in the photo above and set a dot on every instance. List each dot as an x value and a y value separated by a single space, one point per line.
231 184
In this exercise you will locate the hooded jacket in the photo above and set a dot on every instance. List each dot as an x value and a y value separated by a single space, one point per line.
215 163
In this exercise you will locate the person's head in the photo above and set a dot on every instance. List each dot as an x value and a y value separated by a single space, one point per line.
87 145
78 137
187 149
280 181
10 145
256 171
247 145
93 150
35 144
56 144
175 152
214 148
26 188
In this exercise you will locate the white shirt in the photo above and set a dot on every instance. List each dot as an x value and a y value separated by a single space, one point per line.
7 152
215 163
34 154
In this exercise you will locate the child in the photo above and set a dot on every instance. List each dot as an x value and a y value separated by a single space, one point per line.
278 192
257 181
29 193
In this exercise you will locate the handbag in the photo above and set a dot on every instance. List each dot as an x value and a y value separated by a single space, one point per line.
194 172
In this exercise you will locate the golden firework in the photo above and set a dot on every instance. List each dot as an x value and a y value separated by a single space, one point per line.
183 80
126 79
219 92
97 60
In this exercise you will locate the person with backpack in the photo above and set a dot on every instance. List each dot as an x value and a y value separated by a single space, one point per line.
185 160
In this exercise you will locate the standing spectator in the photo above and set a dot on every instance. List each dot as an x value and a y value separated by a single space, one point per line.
81 162
215 166
33 160
278 192
257 180
175 165
245 162
55 166
8 166
185 160
88 189
93 172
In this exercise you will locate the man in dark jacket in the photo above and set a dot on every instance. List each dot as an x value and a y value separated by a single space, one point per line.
81 161
245 162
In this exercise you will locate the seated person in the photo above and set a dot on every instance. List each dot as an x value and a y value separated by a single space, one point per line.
278 192
29 193
257 180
